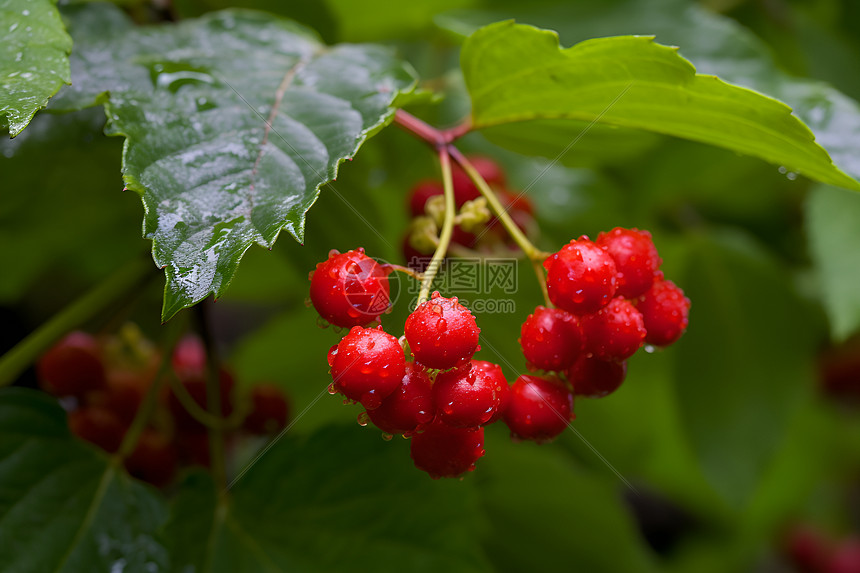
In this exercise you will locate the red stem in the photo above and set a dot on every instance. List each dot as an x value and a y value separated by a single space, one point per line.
435 137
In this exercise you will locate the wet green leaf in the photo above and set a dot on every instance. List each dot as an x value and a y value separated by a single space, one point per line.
518 73
232 123
340 499
64 506
34 59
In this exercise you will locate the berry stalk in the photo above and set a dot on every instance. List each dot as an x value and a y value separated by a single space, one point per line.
441 140
150 400
499 211
213 400
447 228
420 128
203 415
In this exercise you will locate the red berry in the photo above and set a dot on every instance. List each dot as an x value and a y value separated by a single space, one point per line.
123 396
504 392
367 365
270 410
72 367
422 191
540 408
442 333
196 387
635 258
580 277
520 209
445 451
665 311
409 407
189 357
807 548
595 378
464 189
551 338
98 426
153 459
350 289
470 397
615 332
516 201
845 558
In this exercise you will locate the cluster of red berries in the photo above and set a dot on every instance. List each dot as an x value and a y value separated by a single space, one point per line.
441 399
102 383
491 235
811 551
611 299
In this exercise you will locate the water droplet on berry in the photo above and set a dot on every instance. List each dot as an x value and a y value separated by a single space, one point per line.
323 323
333 253
331 389
650 348
363 419
387 437
424 417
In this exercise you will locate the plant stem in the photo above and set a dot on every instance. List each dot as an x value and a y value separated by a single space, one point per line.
457 131
202 414
447 228
119 284
541 278
441 140
417 127
405 270
213 399
519 238
147 406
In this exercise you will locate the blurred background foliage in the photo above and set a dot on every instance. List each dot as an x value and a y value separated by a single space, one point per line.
725 441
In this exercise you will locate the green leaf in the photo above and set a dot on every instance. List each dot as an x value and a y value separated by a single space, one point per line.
50 232
63 506
518 73
746 364
341 499
538 503
715 44
833 227
232 123
34 59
